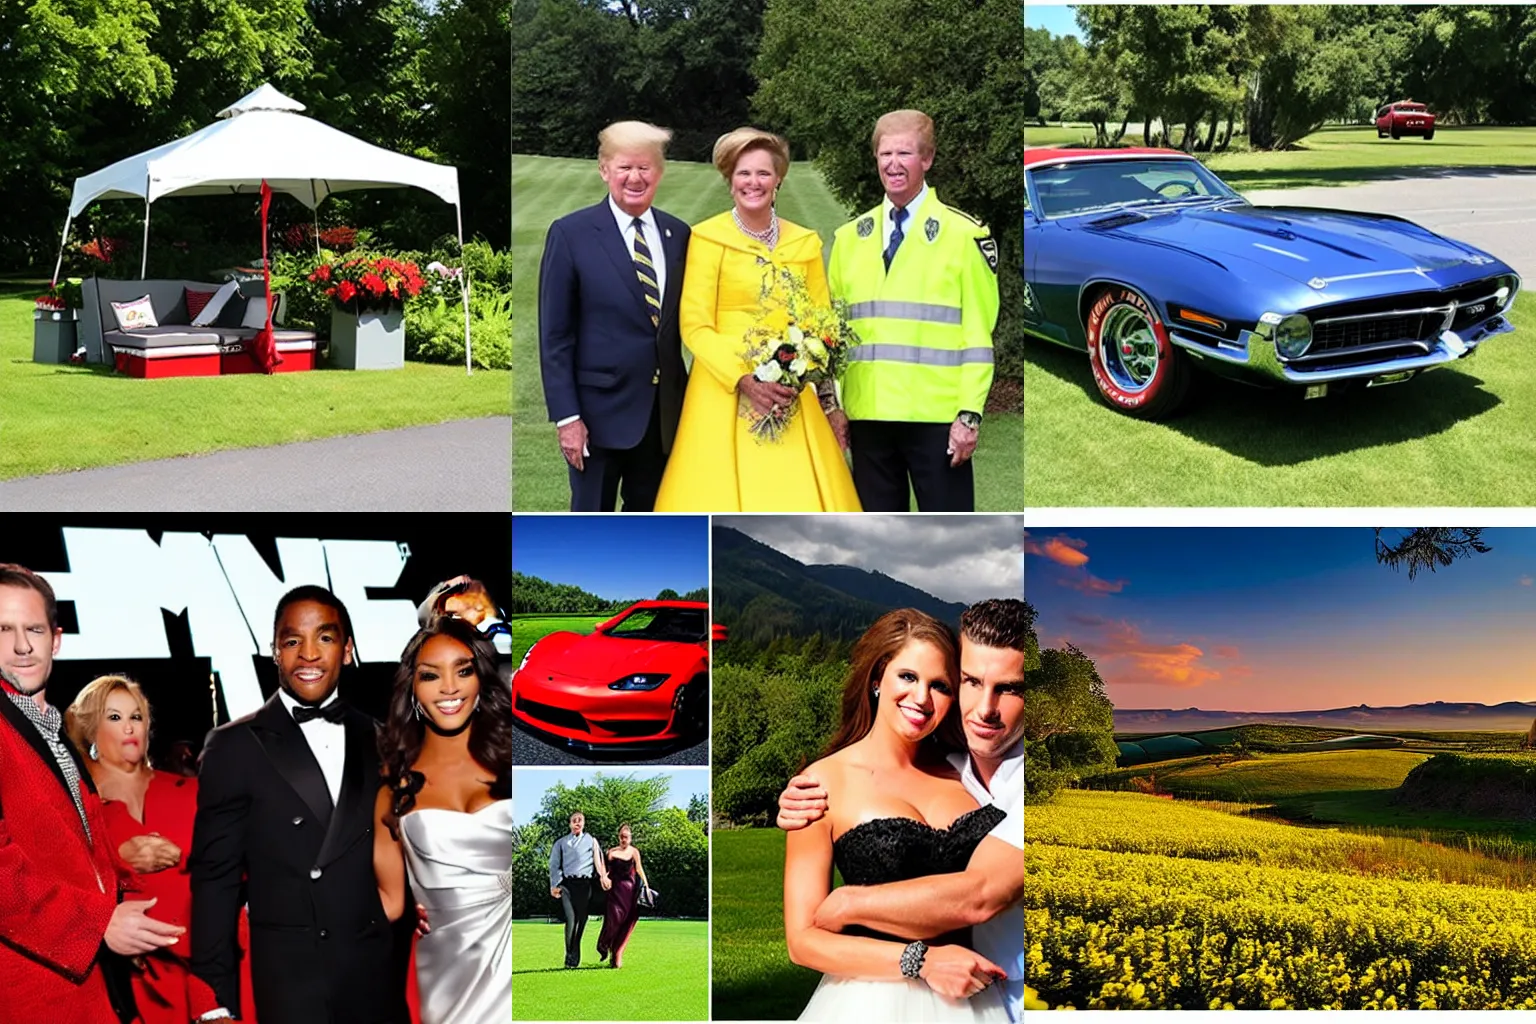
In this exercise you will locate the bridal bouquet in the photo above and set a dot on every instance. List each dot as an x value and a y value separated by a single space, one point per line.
796 341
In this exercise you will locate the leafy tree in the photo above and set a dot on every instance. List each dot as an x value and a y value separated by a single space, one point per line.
1068 720
698 810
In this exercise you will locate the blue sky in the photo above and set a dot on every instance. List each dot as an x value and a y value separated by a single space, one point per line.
1059 18
1281 620
530 784
614 556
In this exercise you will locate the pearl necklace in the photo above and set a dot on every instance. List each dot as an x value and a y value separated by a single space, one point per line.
769 237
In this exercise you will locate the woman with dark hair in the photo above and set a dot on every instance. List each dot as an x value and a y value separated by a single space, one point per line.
444 820
896 810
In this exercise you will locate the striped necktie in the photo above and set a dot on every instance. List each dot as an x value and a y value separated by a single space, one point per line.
647 273
898 215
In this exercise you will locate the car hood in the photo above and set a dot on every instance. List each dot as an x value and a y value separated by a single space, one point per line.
1329 251
600 659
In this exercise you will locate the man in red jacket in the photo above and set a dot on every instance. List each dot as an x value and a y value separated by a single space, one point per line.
59 877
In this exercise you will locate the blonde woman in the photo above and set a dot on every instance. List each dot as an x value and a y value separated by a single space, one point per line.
149 820
716 464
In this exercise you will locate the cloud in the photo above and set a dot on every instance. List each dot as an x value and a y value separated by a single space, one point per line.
1127 657
1088 583
957 558
1526 581
1061 549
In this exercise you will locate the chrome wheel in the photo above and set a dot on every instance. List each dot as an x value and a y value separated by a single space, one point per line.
1128 348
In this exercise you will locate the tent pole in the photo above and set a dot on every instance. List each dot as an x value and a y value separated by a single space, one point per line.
144 260
458 213
315 199
58 267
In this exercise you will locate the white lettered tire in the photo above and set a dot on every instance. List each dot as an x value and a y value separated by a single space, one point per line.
1135 367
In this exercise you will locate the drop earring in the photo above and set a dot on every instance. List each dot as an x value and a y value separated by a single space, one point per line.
476 708
416 707
877 693
93 754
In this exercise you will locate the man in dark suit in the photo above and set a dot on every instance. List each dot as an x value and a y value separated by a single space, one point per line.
609 347
285 801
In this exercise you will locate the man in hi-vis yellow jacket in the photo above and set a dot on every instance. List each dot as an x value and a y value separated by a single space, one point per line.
920 279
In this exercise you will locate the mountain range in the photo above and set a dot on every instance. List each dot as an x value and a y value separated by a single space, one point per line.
1440 715
760 594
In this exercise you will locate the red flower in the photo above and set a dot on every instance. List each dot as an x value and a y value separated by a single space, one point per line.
345 291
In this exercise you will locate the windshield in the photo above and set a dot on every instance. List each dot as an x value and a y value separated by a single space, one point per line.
1411 106
1066 189
683 625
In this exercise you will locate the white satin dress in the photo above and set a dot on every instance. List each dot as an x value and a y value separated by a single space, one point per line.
460 867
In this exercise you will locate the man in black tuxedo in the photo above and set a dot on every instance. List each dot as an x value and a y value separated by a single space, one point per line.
609 347
285 800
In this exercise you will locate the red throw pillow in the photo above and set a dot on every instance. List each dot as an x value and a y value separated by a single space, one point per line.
195 302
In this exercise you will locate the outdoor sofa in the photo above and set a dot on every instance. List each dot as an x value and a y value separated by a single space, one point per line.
175 348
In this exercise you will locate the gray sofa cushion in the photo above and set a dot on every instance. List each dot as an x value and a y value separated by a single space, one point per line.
160 337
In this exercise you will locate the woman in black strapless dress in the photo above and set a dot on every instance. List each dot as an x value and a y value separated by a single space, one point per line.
622 908
896 810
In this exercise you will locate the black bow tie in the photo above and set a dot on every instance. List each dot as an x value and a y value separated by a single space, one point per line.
332 712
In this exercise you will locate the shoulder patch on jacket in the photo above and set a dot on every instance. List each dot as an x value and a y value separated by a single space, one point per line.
988 247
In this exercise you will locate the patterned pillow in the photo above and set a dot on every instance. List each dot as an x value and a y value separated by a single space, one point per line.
136 314
195 302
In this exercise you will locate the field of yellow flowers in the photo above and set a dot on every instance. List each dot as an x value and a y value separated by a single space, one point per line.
1133 901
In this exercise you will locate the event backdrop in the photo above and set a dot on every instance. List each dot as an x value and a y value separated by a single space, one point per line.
185 605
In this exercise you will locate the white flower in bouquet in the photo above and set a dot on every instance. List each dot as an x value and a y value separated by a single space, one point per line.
797 366
767 372
814 346
796 336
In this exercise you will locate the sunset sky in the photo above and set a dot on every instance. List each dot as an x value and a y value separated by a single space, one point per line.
1285 620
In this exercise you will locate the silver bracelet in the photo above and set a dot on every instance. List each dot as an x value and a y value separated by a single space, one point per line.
912 959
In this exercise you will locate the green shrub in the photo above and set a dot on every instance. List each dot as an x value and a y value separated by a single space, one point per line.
434 329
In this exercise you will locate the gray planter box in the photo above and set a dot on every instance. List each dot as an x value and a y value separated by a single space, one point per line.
370 341
54 337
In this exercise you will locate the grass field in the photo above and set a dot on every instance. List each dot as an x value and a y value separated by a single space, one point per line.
753 976
665 975
57 418
548 188
1458 436
528 629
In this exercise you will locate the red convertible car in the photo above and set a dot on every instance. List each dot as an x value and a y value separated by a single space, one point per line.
1405 117
639 679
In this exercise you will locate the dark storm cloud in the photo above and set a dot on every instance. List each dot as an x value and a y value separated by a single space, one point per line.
957 558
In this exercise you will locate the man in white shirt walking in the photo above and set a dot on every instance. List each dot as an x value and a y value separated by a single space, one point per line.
988 895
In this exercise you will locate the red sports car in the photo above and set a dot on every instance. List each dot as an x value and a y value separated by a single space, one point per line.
1405 117
639 679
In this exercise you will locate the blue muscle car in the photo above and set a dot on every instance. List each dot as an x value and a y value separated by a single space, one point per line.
1150 263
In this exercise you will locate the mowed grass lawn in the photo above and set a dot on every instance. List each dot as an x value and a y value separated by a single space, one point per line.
548 188
753 976
529 629
1460 435
57 418
665 975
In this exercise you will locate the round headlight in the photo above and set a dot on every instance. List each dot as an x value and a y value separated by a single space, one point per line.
1293 336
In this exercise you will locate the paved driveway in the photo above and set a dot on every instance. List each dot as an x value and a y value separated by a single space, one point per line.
460 466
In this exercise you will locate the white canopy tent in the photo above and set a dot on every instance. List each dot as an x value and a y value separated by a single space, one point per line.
263 137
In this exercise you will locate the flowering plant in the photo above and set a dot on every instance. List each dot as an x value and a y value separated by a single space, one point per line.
369 282
796 341
61 295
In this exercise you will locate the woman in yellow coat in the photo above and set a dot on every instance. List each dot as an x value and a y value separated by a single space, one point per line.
716 464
